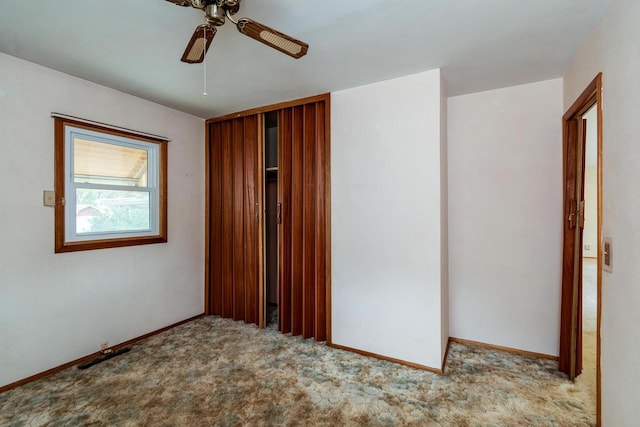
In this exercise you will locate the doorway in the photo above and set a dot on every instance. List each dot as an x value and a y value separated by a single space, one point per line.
589 307
580 162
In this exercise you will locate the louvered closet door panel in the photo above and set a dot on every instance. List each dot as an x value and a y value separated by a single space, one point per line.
321 162
215 219
309 210
239 266
302 174
284 231
226 280
297 283
251 295
234 276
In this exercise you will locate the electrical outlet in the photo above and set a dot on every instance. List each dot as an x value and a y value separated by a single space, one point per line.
587 247
104 346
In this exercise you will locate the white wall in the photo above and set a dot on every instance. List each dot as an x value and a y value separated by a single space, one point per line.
444 220
505 216
55 308
613 50
386 221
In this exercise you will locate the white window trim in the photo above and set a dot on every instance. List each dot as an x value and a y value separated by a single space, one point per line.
71 235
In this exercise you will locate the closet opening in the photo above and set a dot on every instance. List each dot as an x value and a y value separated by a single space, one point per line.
268 259
272 218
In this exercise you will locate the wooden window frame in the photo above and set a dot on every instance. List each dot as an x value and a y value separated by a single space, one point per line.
61 244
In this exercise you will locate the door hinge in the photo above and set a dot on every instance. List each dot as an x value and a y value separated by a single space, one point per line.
572 214
576 214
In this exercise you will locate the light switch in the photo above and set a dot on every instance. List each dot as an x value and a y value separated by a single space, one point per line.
607 255
49 198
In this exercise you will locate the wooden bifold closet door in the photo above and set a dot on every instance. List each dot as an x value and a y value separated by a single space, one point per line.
233 276
302 239
235 217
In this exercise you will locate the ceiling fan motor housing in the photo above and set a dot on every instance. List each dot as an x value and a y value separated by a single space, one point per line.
214 14
215 10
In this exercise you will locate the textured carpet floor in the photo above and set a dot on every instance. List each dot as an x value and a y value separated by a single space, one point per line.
219 372
587 380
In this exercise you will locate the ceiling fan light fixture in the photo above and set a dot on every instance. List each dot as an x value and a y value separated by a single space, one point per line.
270 37
199 44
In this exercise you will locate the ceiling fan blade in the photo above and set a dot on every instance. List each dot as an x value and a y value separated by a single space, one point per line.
199 44
272 38
181 2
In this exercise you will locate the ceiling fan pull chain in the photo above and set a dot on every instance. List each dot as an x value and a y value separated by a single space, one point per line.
204 61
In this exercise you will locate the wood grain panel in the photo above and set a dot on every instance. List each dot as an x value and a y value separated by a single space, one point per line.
238 219
233 262
250 127
571 130
260 227
303 244
215 219
320 323
285 135
580 184
309 220
297 164
226 255
235 271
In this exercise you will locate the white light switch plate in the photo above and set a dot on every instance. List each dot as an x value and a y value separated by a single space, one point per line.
607 255
49 198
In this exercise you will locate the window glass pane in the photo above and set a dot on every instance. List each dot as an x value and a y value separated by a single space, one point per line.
111 210
102 163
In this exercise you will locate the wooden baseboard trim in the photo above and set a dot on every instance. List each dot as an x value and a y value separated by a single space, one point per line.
92 356
505 349
446 355
388 359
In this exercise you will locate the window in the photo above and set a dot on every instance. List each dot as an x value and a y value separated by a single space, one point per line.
111 187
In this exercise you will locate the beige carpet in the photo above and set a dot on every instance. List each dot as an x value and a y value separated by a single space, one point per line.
219 372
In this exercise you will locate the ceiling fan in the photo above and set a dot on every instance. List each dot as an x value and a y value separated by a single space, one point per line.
216 11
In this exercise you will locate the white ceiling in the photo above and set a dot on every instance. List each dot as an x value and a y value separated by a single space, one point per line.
135 45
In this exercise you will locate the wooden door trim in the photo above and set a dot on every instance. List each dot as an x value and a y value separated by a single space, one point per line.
207 219
327 195
590 96
261 218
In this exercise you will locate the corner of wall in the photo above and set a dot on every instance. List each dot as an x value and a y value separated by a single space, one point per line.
396 122
444 223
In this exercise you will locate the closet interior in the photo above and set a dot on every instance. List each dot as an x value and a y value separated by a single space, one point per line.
271 216
268 217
